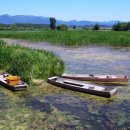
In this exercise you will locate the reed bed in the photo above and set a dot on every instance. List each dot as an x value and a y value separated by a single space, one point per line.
73 38
29 63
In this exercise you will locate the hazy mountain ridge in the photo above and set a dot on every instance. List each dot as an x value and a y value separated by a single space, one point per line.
8 19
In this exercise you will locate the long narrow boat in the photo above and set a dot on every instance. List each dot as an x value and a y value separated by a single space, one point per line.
82 87
17 87
98 78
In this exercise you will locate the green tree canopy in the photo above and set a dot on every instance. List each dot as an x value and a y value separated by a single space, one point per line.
121 26
96 27
128 26
52 23
74 26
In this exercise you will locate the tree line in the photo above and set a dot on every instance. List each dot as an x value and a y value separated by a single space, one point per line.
64 27
23 26
53 26
124 26
121 26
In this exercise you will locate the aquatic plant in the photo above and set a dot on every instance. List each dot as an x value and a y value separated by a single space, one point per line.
72 37
29 63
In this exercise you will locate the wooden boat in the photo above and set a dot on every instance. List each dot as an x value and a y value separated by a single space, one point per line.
82 87
14 85
98 78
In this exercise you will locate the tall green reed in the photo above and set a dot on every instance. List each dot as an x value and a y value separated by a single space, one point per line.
70 38
29 63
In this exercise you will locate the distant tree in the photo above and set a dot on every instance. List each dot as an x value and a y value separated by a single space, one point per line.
52 23
13 26
121 27
128 26
124 26
116 27
74 27
96 27
62 27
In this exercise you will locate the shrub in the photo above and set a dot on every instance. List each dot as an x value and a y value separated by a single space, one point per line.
62 27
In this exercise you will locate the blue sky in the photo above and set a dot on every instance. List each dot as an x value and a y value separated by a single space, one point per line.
94 10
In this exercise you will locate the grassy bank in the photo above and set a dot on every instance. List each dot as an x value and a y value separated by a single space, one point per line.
79 37
29 63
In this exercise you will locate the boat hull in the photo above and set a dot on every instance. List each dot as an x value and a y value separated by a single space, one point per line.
18 87
98 78
107 93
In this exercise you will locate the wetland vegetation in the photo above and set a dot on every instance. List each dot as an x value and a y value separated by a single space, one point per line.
44 106
73 37
29 63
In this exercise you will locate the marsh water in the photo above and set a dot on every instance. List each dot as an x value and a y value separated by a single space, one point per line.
51 107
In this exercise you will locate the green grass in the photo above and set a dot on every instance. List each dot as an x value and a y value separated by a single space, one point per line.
69 38
29 63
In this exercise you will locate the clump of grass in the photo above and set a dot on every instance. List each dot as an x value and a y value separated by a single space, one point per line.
29 63
70 38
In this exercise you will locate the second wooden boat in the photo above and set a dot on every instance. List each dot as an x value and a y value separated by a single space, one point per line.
82 87
98 78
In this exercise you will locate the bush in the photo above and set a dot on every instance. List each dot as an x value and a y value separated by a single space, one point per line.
62 27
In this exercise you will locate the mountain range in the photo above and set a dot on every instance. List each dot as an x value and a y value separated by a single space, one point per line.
8 19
